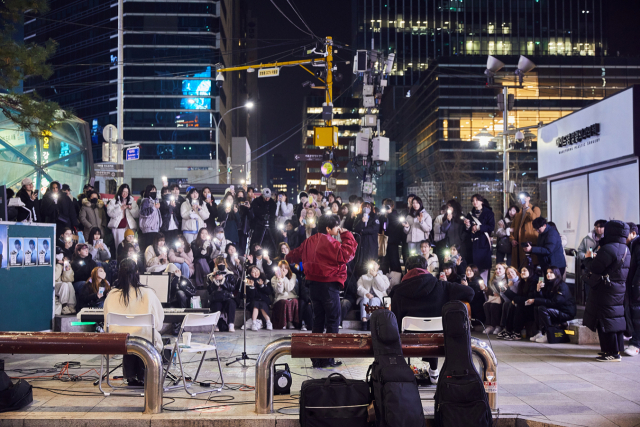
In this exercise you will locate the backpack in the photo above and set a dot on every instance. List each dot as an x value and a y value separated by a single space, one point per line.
461 399
14 396
393 384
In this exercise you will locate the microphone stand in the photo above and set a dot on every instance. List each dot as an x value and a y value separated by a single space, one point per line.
244 357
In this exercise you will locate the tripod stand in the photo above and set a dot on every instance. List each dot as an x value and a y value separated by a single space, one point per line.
266 232
244 357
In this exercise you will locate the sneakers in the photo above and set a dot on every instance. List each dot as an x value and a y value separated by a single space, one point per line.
303 327
488 330
433 376
290 325
248 324
339 326
609 358
68 310
269 326
515 336
478 328
535 337
497 330
543 339
232 327
504 335
632 350
254 326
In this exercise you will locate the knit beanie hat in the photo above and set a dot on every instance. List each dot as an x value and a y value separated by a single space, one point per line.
129 232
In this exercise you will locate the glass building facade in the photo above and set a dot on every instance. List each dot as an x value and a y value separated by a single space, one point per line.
64 155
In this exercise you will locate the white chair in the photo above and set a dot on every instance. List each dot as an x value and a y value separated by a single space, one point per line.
126 320
421 324
195 319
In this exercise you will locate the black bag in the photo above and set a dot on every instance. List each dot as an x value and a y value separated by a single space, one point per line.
460 399
396 398
334 402
14 396
556 335
504 245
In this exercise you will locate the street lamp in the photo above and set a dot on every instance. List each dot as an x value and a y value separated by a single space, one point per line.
249 105
484 137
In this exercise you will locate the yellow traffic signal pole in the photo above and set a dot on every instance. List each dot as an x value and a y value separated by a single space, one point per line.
329 83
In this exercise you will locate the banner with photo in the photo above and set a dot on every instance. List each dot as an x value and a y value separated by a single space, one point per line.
4 249
44 251
30 251
16 252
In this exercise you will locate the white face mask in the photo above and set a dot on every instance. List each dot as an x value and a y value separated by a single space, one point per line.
366 210
102 275
220 236
59 257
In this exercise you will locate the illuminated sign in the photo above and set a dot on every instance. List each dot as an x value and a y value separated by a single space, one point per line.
195 90
269 72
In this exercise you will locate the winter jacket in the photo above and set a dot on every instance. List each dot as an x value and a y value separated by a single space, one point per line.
417 230
213 214
284 212
115 212
549 249
82 268
438 234
558 297
89 298
182 258
454 232
231 222
479 298
150 218
121 253
93 215
481 245
284 288
259 292
99 254
590 241
200 252
604 309
368 247
227 285
496 286
32 206
262 208
301 234
323 258
63 275
59 211
395 229
153 262
168 213
522 231
422 295
246 219
377 286
193 221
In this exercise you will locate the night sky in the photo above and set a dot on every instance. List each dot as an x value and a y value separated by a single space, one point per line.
281 98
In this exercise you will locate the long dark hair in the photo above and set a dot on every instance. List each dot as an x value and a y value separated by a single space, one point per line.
190 193
128 277
203 197
506 214
553 284
457 210
199 240
92 233
159 237
485 202
148 190
185 244
415 213
119 194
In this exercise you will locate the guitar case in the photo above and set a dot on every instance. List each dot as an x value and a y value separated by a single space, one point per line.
460 399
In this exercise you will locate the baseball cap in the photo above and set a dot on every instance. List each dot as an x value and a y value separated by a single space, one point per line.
266 192
65 187
26 181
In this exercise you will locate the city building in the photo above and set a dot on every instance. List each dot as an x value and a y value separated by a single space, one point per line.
171 101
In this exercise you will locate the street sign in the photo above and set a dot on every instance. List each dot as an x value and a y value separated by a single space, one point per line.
110 133
109 174
269 72
108 166
133 153
308 157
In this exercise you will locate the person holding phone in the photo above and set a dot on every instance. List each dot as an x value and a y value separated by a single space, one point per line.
493 306
285 291
65 294
181 255
284 209
259 294
308 225
95 290
123 211
367 225
473 279
170 215
206 197
221 284
194 215
29 196
229 218
372 289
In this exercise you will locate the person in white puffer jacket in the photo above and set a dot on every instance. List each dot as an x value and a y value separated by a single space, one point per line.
194 214
123 212
284 209
372 288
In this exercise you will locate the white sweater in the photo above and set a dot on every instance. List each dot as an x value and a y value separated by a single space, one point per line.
284 288
377 286
284 211
144 303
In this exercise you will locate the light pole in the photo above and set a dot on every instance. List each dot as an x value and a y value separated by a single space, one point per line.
248 105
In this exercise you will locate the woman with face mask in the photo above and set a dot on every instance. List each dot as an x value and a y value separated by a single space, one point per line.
553 303
82 266
221 285
150 217
219 243
92 213
367 224
95 290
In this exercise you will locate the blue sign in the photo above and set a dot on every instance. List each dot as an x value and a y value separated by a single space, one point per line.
133 153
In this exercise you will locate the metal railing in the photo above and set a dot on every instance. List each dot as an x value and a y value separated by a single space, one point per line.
355 346
89 343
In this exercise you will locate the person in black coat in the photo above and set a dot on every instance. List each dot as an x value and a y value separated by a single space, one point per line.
259 291
604 310
349 295
549 248
264 212
246 220
472 279
229 218
82 266
553 303
521 313
367 225
221 285
171 218
56 207
633 296
395 231
210 203
454 232
422 295
29 197
478 228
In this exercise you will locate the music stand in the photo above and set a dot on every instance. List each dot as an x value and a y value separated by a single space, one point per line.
244 357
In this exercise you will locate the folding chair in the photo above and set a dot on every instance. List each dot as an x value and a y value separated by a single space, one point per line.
421 324
195 319
128 320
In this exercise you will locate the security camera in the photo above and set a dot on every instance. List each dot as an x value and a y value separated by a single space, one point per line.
219 80
524 66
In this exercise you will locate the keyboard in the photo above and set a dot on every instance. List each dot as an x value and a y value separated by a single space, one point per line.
171 315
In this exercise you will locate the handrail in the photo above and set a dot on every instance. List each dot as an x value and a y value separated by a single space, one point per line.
358 345
91 343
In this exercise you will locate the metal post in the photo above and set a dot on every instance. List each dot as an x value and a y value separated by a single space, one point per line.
120 91
505 148
264 370
217 144
153 372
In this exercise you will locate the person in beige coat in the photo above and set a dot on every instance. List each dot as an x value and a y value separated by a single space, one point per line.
93 214
181 256
522 230
123 212
194 214
65 294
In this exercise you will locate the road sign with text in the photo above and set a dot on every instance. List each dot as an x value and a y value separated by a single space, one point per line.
308 157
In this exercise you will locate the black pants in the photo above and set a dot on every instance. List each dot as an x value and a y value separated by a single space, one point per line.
345 306
492 313
228 307
132 368
305 310
519 315
611 342
546 317
325 297
393 257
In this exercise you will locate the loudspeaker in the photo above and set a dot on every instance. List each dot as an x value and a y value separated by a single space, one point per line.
282 380
525 65
494 64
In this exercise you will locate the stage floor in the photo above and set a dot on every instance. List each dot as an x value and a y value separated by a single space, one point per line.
560 383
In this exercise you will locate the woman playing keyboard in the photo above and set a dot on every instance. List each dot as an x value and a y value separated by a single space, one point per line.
131 297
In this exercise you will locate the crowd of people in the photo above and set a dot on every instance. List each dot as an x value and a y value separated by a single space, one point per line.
518 287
